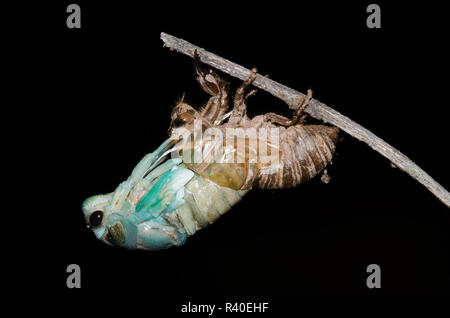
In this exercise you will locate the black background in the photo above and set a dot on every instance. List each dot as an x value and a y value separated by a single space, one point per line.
102 99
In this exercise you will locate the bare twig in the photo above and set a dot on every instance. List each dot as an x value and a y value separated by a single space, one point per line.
315 109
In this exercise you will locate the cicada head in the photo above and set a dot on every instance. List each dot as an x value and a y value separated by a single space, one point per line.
117 230
182 119
140 213
96 215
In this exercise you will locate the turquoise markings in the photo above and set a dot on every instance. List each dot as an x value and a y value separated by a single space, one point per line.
165 196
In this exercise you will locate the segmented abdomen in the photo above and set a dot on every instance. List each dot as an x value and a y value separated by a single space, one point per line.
205 201
304 152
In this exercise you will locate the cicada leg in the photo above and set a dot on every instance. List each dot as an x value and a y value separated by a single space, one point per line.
141 169
144 185
214 86
164 196
160 170
283 121
159 234
240 107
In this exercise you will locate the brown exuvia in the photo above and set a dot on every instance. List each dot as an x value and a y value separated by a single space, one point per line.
302 152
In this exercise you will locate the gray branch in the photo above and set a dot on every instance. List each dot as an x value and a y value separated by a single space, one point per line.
316 109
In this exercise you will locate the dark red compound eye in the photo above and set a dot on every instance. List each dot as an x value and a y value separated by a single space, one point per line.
95 219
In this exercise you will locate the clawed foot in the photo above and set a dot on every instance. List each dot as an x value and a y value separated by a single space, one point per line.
298 116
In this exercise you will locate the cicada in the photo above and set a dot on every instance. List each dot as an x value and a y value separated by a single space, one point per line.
212 158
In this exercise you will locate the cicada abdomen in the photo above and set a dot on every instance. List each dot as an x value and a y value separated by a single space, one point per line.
304 152
205 202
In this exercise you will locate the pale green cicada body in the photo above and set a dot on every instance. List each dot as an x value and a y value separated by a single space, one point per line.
159 206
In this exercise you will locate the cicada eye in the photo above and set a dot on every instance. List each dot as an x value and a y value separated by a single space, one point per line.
184 118
95 219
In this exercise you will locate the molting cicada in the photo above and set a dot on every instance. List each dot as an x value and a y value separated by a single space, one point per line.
212 158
